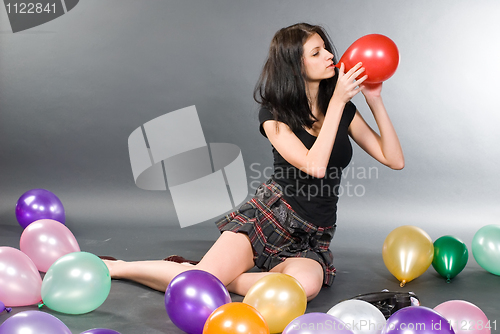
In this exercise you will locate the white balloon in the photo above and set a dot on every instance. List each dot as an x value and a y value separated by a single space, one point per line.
359 316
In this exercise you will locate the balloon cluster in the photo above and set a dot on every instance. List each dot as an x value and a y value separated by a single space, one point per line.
268 307
361 317
75 282
277 303
408 252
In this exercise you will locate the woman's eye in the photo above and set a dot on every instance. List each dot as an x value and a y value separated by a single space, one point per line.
315 54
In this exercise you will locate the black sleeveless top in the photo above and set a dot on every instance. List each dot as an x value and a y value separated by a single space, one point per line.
314 199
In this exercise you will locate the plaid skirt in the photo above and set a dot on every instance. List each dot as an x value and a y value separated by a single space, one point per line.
276 232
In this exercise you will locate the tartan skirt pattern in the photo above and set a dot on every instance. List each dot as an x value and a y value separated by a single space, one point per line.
276 232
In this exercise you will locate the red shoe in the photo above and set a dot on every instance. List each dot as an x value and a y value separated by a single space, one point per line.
180 259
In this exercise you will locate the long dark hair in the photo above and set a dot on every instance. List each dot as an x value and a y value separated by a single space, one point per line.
281 86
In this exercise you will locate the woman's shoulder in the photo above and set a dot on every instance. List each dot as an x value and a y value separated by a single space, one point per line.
265 114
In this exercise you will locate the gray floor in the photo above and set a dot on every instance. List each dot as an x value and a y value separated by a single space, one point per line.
131 308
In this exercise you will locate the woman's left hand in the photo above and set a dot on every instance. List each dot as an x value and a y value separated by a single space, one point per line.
371 89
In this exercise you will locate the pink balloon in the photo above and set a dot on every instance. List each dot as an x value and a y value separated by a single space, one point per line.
45 241
20 281
464 317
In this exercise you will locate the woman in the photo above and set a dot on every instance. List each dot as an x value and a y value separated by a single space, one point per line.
307 116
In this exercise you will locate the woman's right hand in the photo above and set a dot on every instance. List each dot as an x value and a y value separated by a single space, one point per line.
347 85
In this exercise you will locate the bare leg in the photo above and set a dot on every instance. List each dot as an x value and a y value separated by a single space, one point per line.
154 274
308 272
229 257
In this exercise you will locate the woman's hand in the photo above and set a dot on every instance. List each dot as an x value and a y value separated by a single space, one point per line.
347 85
371 90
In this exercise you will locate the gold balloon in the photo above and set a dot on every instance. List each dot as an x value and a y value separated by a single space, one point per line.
408 252
279 298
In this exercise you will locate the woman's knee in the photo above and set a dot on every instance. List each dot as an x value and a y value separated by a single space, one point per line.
308 273
312 285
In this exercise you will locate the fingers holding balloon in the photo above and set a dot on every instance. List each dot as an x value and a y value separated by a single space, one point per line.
347 85
352 73
341 67
356 71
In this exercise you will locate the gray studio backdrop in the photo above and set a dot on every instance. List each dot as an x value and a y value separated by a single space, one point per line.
72 90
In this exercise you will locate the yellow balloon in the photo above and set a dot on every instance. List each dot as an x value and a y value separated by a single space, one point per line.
408 252
279 298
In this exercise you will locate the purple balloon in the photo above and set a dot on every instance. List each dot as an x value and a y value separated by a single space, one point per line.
191 297
417 320
33 322
100 331
317 323
38 204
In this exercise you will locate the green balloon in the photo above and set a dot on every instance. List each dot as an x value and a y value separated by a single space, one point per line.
76 283
450 256
486 248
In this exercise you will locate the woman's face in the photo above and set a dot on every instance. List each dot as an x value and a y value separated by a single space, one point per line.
318 62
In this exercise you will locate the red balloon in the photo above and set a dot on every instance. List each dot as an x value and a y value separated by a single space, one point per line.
378 53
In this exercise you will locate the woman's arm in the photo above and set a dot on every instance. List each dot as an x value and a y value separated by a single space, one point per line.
315 160
385 147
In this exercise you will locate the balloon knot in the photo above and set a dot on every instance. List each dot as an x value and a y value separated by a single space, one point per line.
8 309
448 280
40 305
402 284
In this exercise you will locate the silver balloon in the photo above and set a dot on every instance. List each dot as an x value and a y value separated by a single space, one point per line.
359 316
